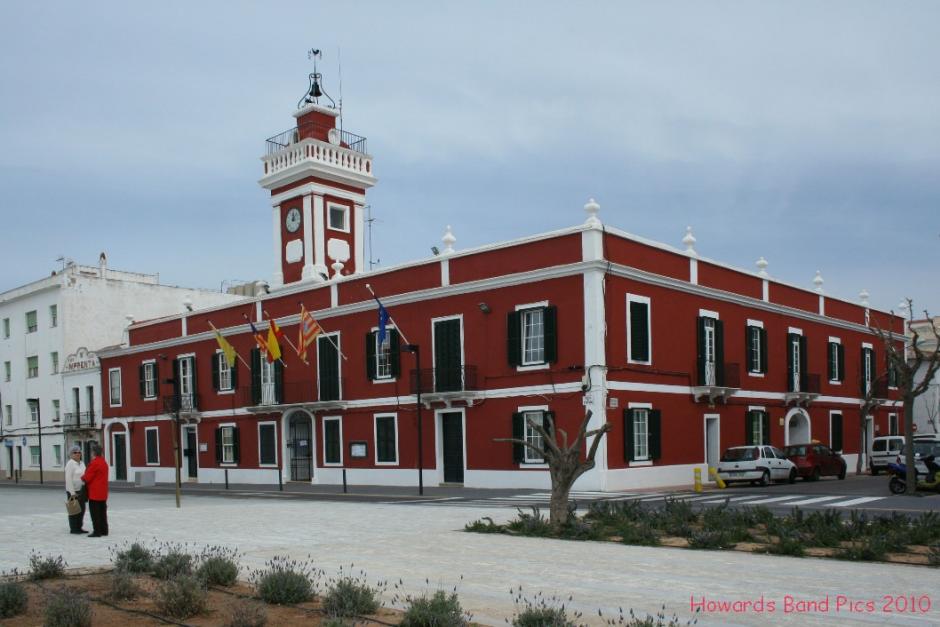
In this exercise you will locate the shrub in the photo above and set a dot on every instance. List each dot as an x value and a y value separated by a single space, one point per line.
824 528
67 608
789 542
181 597
438 610
579 529
868 549
660 620
123 587
933 556
351 596
134 559
218 570
173 563
285 581
541 611
534 524
13 599
638 534
709 539
479 526
248 614
45 566
925 529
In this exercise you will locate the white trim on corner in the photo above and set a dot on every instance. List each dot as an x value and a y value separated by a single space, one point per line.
276 447
375 438
147 462
795 330
707 313
323 422
636 298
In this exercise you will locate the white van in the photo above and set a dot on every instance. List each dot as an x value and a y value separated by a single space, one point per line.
884 450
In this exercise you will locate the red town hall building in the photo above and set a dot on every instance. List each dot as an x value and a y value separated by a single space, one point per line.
683 356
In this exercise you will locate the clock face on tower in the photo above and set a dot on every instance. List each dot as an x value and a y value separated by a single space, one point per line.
292 220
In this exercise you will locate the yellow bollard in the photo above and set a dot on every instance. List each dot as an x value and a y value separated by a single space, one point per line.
713 473
698 479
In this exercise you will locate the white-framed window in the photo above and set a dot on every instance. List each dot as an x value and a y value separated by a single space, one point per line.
267 444
755 347
386 439
383 362
114 387
54 358
338 217
32 367
757 430
227 433
150 379
711 375
7 371
57 454
53 316
639 330
332 441
532 436
31 324
224 382
835 360
152 441
33 410
6 328
893 424
268 383
533 337
186 375
33 455
56 411
641 417
532 342
8 414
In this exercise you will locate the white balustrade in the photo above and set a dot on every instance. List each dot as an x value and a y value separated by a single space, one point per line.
320 152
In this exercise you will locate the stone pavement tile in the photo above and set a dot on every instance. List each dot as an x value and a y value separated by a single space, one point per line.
393 542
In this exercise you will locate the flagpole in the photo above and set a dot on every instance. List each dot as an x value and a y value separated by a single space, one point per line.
240 358
397 328
326 334
280 359
283 335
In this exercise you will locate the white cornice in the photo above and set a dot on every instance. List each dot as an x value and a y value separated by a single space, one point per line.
317 188
315 107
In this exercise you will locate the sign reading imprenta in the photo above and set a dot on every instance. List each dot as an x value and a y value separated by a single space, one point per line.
81 359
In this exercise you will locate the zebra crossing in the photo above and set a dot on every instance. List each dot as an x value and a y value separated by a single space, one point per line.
586 498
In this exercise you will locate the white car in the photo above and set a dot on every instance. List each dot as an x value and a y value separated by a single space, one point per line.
756 464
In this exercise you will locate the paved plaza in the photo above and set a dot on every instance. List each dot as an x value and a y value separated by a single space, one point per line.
398 541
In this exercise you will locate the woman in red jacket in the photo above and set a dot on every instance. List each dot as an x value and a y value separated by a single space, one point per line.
96 482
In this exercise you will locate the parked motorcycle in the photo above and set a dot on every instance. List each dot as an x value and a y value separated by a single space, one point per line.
898 472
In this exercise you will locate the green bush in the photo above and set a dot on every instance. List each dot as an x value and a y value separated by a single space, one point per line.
789 542
285 581
542 611
181 597
122 586
173 563
13 598
709 539
867 549
638 534
218 570
134 559
933 555
247 614
479 526
660 620
351 596
67 607
925 529
438 610
534 524
45 566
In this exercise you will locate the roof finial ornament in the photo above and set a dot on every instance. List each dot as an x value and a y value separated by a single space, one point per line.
337 269
314 92
818 282
448 240
689 241
864 296
591 208
762 266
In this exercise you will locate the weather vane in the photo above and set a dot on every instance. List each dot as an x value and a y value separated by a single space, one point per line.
314 92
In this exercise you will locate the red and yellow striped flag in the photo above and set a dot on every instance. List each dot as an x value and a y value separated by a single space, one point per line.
308 332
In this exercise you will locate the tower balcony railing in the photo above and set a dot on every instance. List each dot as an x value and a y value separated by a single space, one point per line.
314 130
308 151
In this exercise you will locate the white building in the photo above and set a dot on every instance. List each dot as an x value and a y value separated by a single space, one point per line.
49 373
927 405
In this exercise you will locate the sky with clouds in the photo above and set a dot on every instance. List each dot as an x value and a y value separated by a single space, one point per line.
804 132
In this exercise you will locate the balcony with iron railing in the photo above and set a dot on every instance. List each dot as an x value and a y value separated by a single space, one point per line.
314 143
271 394
182 403
716 381
803 388
446 384
78 420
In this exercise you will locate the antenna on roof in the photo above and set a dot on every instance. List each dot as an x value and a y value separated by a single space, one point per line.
370 220
339 64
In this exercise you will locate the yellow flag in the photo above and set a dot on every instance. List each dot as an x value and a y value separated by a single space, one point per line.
227 349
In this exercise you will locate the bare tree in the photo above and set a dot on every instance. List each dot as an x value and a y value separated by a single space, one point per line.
565 464
870 402
906 360
932 407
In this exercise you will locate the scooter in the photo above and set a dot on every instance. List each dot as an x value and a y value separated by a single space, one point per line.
898 482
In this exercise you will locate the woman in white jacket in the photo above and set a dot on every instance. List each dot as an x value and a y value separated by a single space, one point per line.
74 469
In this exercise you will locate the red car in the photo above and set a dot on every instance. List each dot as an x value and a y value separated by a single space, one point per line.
815 460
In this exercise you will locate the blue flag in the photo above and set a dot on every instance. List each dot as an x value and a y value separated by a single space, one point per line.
383 321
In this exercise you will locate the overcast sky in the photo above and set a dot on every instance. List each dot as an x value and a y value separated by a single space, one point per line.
806 132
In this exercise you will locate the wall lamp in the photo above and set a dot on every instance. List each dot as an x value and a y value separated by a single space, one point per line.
484 308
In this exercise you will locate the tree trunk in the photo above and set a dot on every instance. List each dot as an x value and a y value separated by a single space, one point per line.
909 442
862 440
563 477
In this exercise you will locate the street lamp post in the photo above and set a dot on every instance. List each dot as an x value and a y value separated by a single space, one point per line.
414 348
39 431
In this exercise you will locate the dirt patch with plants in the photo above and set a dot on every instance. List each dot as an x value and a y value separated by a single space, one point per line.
898 538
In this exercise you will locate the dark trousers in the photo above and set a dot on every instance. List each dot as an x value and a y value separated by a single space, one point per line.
99 517
77 520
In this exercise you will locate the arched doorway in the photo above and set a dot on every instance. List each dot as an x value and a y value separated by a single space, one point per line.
798 427
300 445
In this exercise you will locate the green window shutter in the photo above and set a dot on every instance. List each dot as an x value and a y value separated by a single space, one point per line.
874 365
192 364
550 322
655 428
790 338
514 338
518 433
548 423
218 445
700 329
394 353
236 445
628 435
765 426
235 375
830 361
749 348
370 355
749 428
861 372
255 376
176 377
215 370
156 378
143 385
719 352
278 382
836 436
841 356
639 332
804 360
763 350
